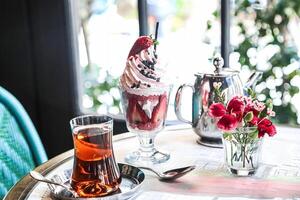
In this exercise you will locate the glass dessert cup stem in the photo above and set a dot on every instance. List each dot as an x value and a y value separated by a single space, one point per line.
147 154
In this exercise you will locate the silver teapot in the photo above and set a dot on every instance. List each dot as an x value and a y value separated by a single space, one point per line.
203 96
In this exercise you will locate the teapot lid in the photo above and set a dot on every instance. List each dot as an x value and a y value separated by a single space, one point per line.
218 62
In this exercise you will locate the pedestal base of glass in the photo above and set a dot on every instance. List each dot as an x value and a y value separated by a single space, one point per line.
140 158
146 155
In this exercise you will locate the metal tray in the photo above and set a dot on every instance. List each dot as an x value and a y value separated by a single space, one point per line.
132 178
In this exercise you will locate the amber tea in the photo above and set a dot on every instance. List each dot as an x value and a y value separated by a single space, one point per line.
95 172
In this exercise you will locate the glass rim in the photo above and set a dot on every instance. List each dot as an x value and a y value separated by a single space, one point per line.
108 119
244 130
247 128
165 87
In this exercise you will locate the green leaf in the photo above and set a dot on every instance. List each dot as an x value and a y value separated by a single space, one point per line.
251 93
254 134
216 14
249 116
227 136
155 42
269 104
208 25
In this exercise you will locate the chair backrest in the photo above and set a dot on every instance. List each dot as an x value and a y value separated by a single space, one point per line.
20 146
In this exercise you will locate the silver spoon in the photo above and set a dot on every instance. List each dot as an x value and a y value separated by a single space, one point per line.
171 174
39 177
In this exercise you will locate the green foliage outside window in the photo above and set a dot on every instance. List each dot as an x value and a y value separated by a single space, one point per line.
269 29
271 24
94 89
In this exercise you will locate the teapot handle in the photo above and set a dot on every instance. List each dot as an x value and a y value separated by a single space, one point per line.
177 103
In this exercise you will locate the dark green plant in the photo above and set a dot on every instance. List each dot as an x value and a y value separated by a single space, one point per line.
94 89
90 73
271 24
269 28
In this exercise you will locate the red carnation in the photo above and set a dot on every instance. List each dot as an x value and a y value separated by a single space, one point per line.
266 126
249 108
254 120
216 110
236 106
227 122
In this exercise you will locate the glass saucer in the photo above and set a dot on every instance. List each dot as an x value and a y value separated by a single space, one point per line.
132 178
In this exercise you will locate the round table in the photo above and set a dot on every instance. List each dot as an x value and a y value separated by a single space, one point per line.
278 176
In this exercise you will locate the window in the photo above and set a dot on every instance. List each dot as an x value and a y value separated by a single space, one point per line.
189 36
264 36
107 30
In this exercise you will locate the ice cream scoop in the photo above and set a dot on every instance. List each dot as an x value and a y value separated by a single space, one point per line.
142 73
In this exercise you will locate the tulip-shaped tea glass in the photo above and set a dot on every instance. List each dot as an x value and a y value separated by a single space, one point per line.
145 111
95 171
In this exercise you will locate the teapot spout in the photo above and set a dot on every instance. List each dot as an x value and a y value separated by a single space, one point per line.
256 76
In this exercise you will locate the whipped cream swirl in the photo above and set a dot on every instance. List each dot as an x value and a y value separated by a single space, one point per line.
141 72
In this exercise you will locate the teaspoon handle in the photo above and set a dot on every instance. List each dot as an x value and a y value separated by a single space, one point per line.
39 177
150 169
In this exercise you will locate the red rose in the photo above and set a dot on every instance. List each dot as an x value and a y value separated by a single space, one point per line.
227 122
216 110
236 106
266 126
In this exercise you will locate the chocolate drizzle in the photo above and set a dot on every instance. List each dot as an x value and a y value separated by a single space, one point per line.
138 85
133 85
144 62
148 69
149 64
149 74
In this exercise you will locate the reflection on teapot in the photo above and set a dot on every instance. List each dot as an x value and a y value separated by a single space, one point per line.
203 96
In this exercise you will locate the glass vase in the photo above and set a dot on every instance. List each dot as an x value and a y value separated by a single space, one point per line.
242 149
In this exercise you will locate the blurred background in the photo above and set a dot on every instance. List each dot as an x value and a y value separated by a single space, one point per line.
62 58
263 36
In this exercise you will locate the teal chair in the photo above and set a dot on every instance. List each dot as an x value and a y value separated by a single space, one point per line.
21 149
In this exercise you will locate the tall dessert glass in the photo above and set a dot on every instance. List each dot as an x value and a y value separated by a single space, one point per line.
145 97
145 112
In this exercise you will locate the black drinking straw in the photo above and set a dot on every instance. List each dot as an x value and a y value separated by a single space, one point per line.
156 33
